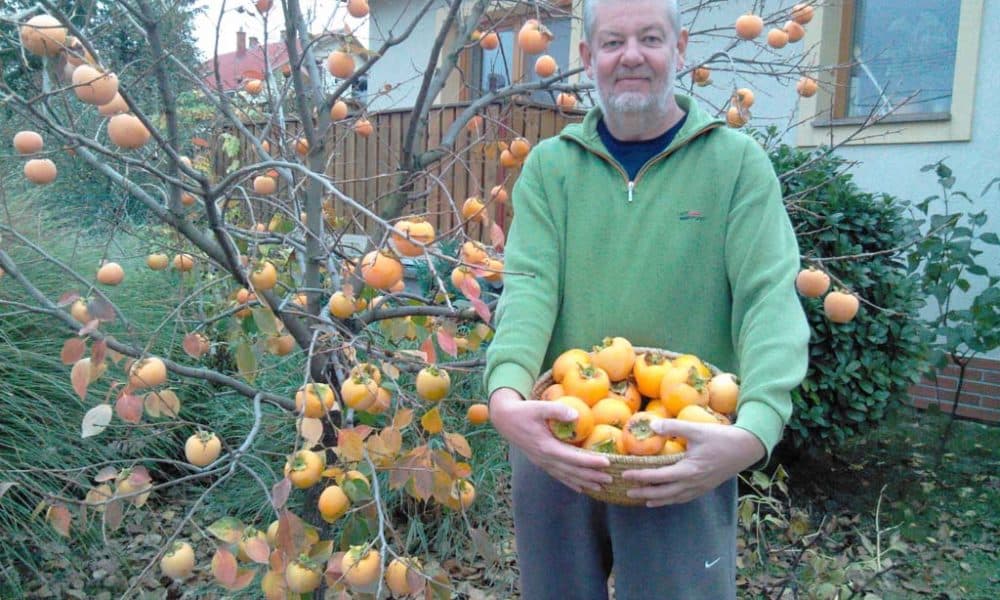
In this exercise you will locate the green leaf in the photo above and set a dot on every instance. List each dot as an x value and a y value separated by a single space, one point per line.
249 327
357 490
356 531
990 238
230 145
246 361
227 529
264 319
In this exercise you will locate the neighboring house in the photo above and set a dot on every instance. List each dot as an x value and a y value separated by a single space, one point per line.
943 53
247 61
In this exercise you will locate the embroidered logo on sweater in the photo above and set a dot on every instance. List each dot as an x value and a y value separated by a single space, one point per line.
691 215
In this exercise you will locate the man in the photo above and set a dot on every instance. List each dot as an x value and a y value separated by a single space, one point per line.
653 221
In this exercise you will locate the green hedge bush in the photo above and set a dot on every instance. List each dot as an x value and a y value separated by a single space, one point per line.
859 370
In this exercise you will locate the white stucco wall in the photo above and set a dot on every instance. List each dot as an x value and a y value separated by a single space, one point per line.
402 66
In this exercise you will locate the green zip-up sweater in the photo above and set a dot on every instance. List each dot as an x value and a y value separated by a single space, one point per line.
696 255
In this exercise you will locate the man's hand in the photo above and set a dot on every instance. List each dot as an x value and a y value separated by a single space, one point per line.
714 454
523 423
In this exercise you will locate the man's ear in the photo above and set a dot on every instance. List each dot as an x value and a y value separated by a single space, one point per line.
585 57
682 44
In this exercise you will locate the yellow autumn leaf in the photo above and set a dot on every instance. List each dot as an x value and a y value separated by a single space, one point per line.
431 421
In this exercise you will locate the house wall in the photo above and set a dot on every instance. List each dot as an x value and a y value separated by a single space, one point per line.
403 65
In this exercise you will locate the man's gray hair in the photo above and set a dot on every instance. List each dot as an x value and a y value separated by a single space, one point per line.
590 13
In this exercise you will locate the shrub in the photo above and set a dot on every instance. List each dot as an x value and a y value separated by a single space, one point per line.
858 370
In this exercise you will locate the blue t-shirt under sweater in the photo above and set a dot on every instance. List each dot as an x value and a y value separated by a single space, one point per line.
632 155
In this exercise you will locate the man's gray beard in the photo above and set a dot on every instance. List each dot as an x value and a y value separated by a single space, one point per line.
634 105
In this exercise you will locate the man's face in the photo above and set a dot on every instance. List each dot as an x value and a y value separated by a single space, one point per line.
633 57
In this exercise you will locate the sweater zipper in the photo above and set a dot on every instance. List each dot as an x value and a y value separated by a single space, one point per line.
630 183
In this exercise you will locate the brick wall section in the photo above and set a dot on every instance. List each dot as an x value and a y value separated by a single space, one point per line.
980 398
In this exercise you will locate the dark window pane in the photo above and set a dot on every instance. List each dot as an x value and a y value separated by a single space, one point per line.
903 48
497 65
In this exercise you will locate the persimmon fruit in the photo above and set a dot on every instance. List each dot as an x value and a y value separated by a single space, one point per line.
147 372
806 87
360 566
611 411
357 8
802 13
305 468
313 400
701 76
43 35
812 282
40 171
723 393
576 430
568 360
841 307
749 27
794 30
338 112
381 270
638 436
302 577
566 101
183 262
333 503
110 273
616 356
546 66
157 261
92 86
777 38
533 37
28 142
606 439
363 127
433 383
202 448
489 41
478 414
178 562
117 106
127 131
340 64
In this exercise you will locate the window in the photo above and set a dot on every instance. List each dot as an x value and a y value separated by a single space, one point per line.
911 63
497 66
558 48
506 65
902 57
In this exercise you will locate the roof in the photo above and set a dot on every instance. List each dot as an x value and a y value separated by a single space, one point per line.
237 66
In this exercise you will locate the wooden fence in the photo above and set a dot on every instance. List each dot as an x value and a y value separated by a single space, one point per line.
366 169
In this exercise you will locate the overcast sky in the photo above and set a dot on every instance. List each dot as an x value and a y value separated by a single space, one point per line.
323 14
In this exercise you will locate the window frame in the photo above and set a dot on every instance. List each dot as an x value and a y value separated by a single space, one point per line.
832 33
470 61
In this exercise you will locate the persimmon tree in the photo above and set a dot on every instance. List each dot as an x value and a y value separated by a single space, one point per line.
250 224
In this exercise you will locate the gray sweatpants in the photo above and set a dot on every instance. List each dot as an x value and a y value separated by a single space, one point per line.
568 544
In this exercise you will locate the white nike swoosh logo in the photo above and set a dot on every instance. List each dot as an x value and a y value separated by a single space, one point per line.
709 565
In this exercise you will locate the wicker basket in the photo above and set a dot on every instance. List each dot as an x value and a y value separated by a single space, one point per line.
616 491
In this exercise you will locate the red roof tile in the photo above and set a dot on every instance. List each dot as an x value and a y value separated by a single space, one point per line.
234 67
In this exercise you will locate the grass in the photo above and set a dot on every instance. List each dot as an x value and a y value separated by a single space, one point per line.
942 509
